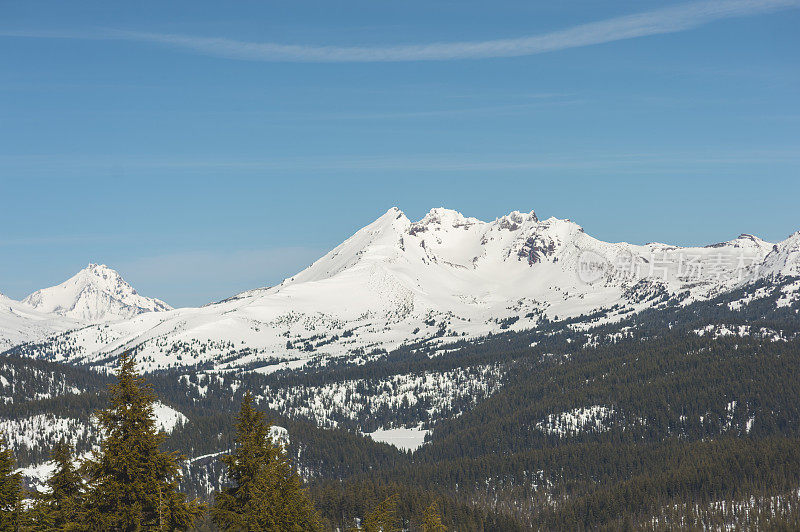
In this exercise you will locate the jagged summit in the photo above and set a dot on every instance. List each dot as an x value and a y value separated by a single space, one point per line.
446 217
97 293
445 239
443 277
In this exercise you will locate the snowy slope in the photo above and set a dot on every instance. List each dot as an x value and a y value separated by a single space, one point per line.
42 431
20 323
167 418
784 258
441 278
95 294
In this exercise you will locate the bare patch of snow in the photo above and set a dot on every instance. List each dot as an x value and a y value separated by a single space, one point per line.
589 419
167 418
406 439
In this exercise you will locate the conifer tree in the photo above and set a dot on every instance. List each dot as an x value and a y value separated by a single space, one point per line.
383 518
10 491
431 520
59 507
265 492
131 483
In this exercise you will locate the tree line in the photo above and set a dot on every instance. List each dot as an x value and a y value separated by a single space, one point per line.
129 483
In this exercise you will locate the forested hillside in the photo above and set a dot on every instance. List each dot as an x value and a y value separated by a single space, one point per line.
683 415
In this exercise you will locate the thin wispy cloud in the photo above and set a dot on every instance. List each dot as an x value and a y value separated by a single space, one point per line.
661 21
621 162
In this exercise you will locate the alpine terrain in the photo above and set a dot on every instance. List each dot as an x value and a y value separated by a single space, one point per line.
95 294
518 373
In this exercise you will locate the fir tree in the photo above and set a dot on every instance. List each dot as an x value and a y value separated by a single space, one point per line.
266 493
132 484
59 507
431 520
383 518
10 491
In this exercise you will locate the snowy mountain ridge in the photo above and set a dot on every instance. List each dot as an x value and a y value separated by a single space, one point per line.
437 280
20 323
95 294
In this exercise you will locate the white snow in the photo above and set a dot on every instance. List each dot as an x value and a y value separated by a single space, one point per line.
589 419
722 330
95 294
406 439
48 384
45 430
167 418
789 294
351 400
783 259
279 435
37 475
20 323
445 276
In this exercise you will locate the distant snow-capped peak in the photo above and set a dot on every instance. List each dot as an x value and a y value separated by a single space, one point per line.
552 252
97 294
445 238
442 278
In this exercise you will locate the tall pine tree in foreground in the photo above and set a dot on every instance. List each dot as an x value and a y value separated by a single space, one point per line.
265 492
10 491
131 483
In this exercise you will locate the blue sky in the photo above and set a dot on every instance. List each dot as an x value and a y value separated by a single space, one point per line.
203 148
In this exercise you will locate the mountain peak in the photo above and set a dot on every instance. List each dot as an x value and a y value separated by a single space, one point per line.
520 217
515 219
443 212
101 271
444 278
96 293
445 218
394 212
744 241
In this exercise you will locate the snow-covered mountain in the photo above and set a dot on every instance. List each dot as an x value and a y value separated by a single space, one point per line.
20 323
95 294
439 279
784 258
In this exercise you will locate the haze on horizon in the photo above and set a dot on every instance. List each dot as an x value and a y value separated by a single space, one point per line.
202 152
